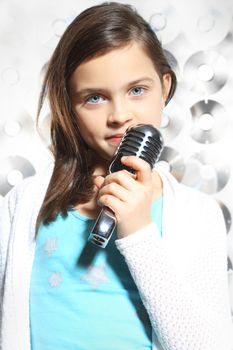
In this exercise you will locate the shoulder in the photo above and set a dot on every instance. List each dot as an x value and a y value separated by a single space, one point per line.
175 188
190 201
197 221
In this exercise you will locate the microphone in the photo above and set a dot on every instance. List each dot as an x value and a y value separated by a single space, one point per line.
143 141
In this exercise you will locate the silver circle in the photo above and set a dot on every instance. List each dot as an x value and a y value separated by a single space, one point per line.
208 29
172 62
59 26
13 170
12 128
164 121
19 126
229 264
209 121
206 122
14 177
171 121
205 72
205 23
164 23
206 171
173 161
227 215
158 21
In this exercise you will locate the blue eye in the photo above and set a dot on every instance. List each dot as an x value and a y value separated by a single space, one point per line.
137 91
94 99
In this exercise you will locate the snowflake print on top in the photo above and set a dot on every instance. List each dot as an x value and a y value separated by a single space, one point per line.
95 276
55 279
50 245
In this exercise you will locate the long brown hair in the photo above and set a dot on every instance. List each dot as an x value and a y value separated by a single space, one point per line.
94 32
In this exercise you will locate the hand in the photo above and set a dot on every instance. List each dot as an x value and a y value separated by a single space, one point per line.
129 196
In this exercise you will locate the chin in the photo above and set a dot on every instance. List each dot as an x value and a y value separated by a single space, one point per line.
104 156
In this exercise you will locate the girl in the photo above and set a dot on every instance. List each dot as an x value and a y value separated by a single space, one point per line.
161 283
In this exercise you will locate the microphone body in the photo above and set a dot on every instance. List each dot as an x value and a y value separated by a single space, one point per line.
143 141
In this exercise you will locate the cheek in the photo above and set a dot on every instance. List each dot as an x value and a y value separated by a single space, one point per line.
84 129
151 110
90 130
89 120
158 122
85 122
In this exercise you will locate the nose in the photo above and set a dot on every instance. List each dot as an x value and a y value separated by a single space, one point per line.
119 113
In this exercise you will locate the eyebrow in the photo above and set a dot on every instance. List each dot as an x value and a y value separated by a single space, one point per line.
86 91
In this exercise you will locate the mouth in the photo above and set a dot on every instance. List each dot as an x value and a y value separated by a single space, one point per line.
115 139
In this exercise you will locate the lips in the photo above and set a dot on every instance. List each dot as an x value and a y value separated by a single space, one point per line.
116 138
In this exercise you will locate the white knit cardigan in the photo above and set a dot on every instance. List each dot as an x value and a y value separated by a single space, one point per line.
181 277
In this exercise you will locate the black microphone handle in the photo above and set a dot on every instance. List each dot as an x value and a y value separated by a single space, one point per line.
143 141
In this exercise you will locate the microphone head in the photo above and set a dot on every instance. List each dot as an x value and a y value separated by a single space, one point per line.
143 141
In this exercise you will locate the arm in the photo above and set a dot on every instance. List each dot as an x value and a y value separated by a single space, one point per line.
7 206
182 277
188 310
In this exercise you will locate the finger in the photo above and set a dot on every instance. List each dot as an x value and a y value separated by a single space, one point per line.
122 178
98 181
141 167
116 190
111 202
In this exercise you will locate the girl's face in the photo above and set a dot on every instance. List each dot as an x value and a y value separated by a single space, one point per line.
111 92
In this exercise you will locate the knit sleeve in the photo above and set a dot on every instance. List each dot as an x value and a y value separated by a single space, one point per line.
188 310
7 206
6 214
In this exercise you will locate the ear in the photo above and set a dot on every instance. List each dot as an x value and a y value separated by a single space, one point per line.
167 81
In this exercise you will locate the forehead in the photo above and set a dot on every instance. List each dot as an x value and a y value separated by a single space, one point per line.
116 66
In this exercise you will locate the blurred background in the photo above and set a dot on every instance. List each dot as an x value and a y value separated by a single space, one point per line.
197 124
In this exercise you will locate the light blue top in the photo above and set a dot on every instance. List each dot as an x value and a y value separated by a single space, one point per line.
83 297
